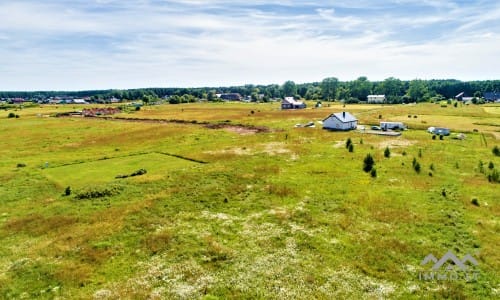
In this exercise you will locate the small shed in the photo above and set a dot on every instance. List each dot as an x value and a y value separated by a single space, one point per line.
340 121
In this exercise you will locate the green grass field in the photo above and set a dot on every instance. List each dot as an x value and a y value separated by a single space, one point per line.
228 213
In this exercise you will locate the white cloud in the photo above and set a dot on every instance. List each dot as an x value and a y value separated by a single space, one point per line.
118 44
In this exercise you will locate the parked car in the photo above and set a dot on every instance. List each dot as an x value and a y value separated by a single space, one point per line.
376 128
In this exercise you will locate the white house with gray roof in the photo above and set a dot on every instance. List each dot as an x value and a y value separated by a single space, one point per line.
340 121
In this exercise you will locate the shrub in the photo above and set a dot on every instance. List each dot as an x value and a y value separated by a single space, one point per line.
368 163
480 166
431 167
433 136
380 116
11 115
137 108
404 153
491 166
361 141
416 167
98 192
387 152
443 192
420 153
67 191
430 174
351 148
441 137
21 165
348 143
494 176
136 173
373 173
496 151
139 172
475 202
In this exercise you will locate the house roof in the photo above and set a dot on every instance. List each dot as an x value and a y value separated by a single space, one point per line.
343 117
291 100
376 96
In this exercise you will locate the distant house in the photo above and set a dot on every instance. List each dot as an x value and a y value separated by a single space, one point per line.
460 96
291 103
340 121
18 100
376 98
492 96
231 96
439 130
392 125
79 101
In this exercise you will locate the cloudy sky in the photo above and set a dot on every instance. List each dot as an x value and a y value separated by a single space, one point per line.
101 44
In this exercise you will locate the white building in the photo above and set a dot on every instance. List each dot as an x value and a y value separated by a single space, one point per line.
340 121
376 98
392 125
291 103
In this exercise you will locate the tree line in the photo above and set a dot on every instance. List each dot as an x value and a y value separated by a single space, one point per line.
329 89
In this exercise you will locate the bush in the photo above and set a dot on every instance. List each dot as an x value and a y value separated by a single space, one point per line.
21 165
387 152
431 167
139 172
98 192
433 136
475 202
373 173
136 173
351 148
137 108
67 191
11 115
368 163
494 176
491 166
496 151
348 143
416 167
441 137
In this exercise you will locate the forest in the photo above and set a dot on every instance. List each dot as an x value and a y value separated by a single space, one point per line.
329 89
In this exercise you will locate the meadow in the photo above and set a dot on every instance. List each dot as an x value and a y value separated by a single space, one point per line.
225 212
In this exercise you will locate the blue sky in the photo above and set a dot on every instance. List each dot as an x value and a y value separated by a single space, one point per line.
101 44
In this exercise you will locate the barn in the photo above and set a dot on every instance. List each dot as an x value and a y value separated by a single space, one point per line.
291 103
340 121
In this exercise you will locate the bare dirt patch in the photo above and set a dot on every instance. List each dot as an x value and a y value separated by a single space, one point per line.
393 143
240 129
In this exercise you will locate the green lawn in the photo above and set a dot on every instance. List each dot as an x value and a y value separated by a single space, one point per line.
283 214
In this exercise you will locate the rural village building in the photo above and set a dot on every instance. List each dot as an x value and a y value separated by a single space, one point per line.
231 96
340 121
291 103
392 125
492 96
376 98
